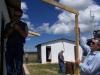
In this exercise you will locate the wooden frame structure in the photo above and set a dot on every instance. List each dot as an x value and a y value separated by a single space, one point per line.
74 11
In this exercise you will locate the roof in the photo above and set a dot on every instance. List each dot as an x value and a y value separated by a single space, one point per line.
56 40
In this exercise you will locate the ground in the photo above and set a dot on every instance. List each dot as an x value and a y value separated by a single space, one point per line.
43 69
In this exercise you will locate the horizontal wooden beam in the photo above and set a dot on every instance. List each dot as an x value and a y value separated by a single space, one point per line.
65 7
33 33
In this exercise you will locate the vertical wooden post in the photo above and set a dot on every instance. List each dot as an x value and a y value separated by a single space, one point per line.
77 72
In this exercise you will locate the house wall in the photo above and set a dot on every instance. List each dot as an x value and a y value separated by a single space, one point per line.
4 18
69 53
43 54
56 47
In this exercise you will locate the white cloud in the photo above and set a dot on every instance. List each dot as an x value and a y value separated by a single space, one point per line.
65 23
60 28
57 28
44 28
28 39
65 17
25 16
24 6
30 26
80 4
66 20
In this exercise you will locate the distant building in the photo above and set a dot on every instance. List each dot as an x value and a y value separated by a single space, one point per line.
30 57
48 51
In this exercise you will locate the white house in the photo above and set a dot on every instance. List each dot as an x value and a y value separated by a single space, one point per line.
48 51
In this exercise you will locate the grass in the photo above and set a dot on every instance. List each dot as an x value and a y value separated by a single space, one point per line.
43 69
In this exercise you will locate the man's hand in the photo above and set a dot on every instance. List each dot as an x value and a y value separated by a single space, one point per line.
17 27
22 32
77 61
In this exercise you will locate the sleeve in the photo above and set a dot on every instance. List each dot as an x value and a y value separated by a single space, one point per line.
85 47
92 67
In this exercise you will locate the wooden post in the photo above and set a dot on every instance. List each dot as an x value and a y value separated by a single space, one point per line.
77 72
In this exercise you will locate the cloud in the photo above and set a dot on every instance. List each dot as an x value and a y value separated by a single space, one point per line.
24 6
80 4
85 21
60 28
57 28
30 26
28 39
66 20
44 28
25 16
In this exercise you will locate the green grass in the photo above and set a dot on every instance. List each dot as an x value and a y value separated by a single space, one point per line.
43 69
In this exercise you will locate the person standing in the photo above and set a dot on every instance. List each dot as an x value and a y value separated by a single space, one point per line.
15 32
61 61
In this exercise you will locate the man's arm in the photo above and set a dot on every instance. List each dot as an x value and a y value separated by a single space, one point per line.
24 33
85 47
92 66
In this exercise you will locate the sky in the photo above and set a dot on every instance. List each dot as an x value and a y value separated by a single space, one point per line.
54 23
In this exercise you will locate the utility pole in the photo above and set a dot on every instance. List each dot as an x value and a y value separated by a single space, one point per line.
92 22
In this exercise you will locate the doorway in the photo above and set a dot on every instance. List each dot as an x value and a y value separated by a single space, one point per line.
48 53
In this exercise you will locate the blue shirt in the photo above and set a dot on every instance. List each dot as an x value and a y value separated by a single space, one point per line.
91 64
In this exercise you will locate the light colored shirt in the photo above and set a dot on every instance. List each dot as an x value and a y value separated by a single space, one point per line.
91 64
86 49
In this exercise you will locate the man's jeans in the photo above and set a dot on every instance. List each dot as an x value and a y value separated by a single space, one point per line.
62 67
14 63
